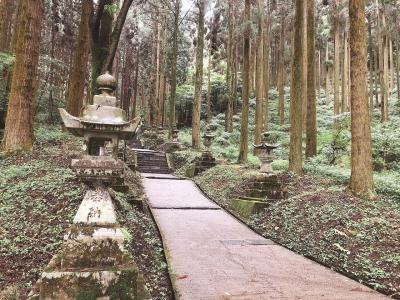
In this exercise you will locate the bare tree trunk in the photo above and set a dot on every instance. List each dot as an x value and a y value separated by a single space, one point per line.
385 74
79 66
336 63
327 72
298 87
209 113
266 64
244 147
361 181
345 73
311 125
173 69
19 128
196 143
259 74
281 75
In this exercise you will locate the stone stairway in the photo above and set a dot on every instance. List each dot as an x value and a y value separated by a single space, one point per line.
149 161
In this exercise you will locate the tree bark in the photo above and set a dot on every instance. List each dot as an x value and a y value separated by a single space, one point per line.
311 125
7 8
361 181
281 75
259 74
172 99
196 143
266 70
336 62
345 73
19 130
76 85
298 87
244 147
384 74
209 113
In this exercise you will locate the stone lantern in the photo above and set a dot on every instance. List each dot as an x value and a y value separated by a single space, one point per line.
208 138
102 125
265 154
175 132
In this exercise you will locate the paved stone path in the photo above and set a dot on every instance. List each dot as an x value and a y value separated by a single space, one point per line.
214 256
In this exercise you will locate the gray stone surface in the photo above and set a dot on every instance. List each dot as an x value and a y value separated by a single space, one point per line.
164 193
214 256
96 209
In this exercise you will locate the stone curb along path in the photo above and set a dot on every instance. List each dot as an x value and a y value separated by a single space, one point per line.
214 256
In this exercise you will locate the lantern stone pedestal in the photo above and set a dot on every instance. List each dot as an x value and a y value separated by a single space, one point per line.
206 161
265 187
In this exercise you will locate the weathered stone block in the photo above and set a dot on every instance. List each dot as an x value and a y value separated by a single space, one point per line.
123 283
246 207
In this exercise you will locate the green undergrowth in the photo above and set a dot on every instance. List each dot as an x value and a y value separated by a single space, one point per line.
39 196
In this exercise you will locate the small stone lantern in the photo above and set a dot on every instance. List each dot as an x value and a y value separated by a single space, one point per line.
208 138
265 154
175 132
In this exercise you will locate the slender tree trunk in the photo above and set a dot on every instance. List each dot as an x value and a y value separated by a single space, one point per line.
266 64
173 69
230 70
281 75
259 74
398 72
135 84
209 113
311 125
385 75
298 87
79 66
19 130
196 143
345 73
371 69
336 63
361 181
327 68
244 147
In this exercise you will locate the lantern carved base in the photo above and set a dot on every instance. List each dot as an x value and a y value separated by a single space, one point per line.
205 162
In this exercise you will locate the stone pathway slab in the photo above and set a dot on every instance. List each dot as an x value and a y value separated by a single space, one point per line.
177 194
214 256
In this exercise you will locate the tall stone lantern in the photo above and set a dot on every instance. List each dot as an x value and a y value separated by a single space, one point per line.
102 125
265 154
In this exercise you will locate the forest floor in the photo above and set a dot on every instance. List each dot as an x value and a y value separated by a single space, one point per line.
321 220
39 198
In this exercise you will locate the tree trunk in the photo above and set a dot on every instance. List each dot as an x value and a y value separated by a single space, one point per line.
311 125
327 72
266 70
244 147
259 74
345 73
361 181
172 99
398 72
385 74
336 62
196 143
76 85
19 130
209 113
298 87
7 8
281 74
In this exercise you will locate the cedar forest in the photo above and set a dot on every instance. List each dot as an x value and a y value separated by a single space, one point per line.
320 76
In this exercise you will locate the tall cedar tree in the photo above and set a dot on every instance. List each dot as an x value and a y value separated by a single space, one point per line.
172 98
244 147
19 130
79 65
7 8
298 87
260 76
361 182
198 78
311 122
